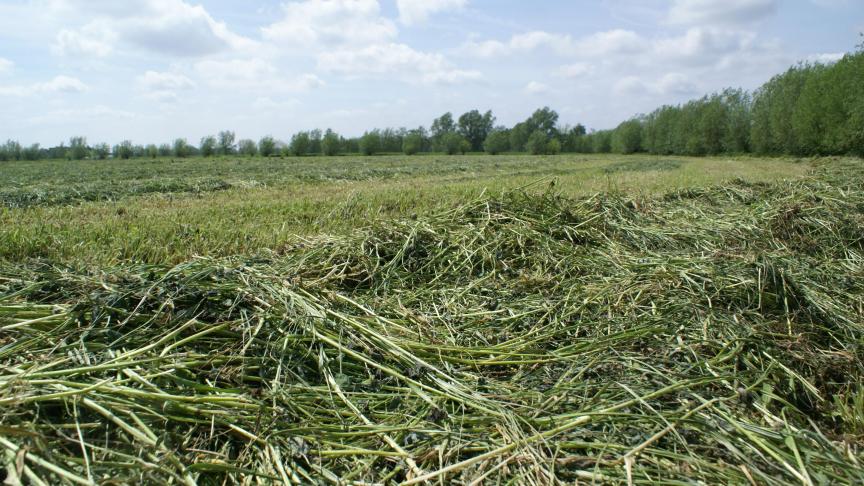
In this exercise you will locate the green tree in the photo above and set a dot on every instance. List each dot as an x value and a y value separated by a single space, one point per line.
181 148
475 127
412 143
226 142
78 148
124 151
627 138
32 152
497 142
330 144
370 143
101 151
537 143
208 146
453 143
151 151
248 148
267 146
300 144
441 127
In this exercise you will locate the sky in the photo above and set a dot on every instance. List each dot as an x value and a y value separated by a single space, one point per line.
154 70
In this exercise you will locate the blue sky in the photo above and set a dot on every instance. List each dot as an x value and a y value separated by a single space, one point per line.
154 70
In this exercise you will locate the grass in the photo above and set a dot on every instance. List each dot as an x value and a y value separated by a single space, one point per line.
702 334
105 212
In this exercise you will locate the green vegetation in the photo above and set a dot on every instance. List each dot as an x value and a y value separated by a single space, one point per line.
169 210
711 334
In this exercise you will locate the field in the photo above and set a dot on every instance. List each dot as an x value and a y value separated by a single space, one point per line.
433 320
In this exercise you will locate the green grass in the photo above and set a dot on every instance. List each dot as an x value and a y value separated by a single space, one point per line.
686 331
167 211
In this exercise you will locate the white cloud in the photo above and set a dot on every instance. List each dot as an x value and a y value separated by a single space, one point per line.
163 87
599 44
670 84
92 40
61 84
66 116
576 70
57 85
171 27
536 88
826 57
725 12
6 65
325 23
418 11
398 60
616 41
254 75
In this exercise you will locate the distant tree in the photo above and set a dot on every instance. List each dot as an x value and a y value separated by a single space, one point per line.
519 137
32 152
124 151
208 146
11 151
412 143
165 150
497 142
226 142
101 151
627 138
300 144
370 143
537 143
553 147
267 146
330 144
453 143
78 148
248 148
315 137
181 148
442 126
546 120
151 151
475 127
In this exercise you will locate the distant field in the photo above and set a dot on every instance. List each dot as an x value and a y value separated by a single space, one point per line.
166 211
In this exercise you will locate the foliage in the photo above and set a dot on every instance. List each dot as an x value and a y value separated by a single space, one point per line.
497 142
412 143
226 142
475 127
370 143
181 148
78 149
101 151
267 146
124 150
627 138
452 143
208 146
330 143
247 147
300 144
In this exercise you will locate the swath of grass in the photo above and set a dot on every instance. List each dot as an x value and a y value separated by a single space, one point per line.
710 336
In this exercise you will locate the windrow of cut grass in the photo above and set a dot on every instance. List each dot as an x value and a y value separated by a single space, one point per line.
709 336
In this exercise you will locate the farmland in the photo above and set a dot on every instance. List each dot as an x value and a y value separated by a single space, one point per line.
462 320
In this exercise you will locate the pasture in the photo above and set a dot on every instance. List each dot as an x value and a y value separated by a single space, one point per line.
433 320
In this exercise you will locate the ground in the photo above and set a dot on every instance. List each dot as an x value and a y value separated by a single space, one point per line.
464 320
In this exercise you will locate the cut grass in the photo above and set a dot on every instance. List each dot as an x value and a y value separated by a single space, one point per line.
267 203
709 335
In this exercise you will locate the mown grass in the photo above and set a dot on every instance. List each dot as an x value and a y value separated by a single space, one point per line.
167 211
709 334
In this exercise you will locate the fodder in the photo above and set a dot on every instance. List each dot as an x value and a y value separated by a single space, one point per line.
713 338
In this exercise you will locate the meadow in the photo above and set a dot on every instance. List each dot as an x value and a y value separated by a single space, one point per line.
590 319
169 210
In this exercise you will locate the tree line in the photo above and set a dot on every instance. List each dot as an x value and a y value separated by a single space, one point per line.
811 109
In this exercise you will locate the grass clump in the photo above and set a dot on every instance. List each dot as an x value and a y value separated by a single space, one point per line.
710 336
